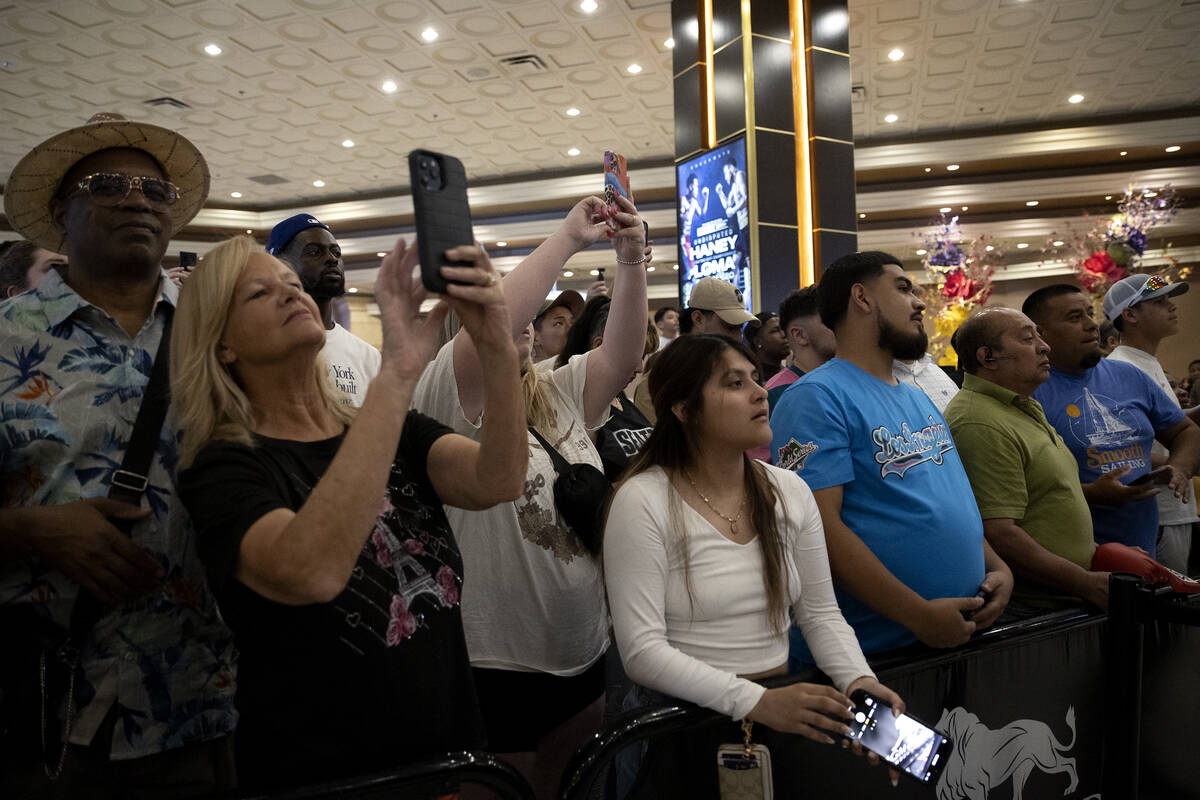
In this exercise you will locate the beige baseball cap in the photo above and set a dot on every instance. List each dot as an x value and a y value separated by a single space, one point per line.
722 298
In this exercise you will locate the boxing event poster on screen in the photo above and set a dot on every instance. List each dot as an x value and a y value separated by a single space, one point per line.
714 219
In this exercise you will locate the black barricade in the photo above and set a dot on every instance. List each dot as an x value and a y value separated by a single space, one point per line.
1027 707
425 779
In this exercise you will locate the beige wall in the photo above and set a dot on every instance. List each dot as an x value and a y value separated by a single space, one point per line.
1174 354
362 324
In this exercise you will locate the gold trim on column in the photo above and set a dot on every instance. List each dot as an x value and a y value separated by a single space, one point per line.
834 230
827 139
774 130
778 225
827 50
710 108
804 196
751 155
688 69
729 136
770 38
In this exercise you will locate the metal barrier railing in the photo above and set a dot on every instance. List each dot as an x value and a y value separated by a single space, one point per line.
1131 604
483 769
591 762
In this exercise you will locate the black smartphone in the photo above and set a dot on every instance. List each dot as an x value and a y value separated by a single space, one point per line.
905 742
443 216
1160 475
187 260
600 274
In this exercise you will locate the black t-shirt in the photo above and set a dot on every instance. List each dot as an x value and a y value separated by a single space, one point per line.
622 436
378 676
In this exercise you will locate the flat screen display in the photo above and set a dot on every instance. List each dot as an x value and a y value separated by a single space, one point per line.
714 219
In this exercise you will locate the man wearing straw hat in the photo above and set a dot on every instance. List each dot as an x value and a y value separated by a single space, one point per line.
144 703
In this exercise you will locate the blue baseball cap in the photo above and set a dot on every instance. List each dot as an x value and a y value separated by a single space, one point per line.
285 231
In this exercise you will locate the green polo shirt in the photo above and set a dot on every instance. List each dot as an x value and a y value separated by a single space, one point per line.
1020 469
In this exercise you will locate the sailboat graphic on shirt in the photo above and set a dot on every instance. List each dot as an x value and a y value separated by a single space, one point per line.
1102 427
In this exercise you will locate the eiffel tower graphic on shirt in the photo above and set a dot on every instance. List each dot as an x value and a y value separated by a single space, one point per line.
1102 427
414 580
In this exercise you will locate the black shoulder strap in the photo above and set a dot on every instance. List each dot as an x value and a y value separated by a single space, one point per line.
560 463
130 481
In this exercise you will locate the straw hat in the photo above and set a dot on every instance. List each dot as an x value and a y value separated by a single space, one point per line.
34 180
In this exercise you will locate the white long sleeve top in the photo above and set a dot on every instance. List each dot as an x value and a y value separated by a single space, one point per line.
695 647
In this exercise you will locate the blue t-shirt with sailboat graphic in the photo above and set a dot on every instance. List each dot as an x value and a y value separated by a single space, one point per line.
1108 416
904 490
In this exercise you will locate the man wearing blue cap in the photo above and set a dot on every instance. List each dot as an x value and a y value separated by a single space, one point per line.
1140 308
306 245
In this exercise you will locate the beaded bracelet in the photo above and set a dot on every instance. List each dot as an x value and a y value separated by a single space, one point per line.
641 260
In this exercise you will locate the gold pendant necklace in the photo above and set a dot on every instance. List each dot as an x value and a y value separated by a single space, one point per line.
733 521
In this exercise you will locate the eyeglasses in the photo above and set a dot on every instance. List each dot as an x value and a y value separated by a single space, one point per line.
111 189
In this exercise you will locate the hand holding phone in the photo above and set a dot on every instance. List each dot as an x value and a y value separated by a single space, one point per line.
616 177
1154 476
443 215
905 742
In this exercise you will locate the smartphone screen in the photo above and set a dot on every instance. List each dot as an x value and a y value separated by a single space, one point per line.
904 742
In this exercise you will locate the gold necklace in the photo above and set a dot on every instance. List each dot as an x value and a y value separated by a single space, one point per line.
733 521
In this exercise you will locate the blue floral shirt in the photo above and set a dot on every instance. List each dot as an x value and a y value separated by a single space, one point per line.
71 383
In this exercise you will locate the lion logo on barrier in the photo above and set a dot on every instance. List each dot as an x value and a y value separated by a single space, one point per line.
983 759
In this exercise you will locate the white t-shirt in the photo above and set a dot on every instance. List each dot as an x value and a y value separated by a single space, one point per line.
1171 510
533 598
695 647
352 364
927 376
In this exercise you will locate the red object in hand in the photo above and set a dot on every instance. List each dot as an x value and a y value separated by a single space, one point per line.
1115 557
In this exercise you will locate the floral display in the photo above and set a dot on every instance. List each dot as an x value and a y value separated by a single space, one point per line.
959 272
1113 248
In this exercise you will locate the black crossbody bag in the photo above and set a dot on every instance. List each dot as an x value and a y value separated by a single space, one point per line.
42 660
580 494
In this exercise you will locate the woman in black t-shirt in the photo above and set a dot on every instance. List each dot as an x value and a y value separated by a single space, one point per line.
322 529
626 429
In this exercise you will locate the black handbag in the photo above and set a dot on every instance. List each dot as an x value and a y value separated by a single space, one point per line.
41 659
580 493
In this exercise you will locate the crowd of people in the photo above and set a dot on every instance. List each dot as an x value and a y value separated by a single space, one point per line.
242 550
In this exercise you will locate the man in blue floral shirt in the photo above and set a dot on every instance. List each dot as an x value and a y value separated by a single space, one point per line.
153 694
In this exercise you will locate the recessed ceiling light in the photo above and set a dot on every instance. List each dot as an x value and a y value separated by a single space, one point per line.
574 151
501 244
964 208
669 43
347 143
989 248
429 34
380 254
944 210
862 216
675 267
1031 203
248 230
896 54
568 274
1108 197
1022 245
389 86
650 268
1173 148
890 118
1075 98
588 6
595 272
1058 243
634 69
1150 194
921 252
235 194
353 290
1123 153
573 112
951 167
212 49
929 169
318 183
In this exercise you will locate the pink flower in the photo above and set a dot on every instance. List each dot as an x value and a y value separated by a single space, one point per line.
402 624
383 553
414 547
448 582
1102 266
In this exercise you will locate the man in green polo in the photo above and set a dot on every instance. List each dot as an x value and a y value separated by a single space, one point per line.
1025 479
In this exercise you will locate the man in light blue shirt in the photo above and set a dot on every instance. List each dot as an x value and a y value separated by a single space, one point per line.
904 535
